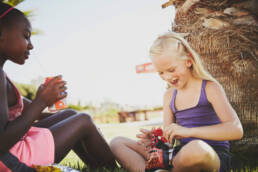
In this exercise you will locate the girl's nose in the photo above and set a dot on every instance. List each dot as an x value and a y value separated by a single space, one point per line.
30 46
167 76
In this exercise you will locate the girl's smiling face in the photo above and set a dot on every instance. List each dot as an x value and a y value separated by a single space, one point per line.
173 69
15 43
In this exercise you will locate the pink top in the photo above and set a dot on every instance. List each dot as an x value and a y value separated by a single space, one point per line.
15 110
36 147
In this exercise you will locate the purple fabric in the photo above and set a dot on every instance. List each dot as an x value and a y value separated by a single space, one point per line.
202 114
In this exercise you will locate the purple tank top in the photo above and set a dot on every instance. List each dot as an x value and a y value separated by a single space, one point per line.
202 114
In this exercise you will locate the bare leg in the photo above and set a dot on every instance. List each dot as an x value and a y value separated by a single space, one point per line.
196 156
58 117
55 118
129 153
77 131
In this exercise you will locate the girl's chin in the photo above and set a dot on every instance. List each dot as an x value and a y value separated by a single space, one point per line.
21 62
173 85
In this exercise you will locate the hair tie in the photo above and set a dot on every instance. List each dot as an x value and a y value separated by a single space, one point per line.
6 12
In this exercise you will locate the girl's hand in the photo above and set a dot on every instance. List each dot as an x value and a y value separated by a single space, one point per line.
145 137
52 91
175 131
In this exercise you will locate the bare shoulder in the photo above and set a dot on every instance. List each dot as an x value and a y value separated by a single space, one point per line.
168 96
169 93
214 90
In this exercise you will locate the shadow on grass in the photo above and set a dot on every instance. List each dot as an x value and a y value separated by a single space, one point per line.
245 162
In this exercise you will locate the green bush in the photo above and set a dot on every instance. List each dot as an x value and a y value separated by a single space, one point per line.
27 90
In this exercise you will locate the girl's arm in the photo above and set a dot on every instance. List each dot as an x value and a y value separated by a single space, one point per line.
12 131
27 102
168 114
145 135
230 127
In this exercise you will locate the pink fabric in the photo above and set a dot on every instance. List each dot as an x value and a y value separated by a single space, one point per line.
36 147
15 110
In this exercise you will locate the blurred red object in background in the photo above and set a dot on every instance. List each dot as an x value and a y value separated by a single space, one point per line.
145 68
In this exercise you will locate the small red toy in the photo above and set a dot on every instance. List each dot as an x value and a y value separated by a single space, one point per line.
159 153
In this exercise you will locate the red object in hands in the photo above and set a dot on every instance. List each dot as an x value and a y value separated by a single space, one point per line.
158 132
158 155
158 135
155 160
163 139
60 104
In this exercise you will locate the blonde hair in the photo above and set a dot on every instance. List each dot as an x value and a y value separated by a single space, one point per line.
172 40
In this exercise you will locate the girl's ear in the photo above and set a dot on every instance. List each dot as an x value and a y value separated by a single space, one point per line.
188 63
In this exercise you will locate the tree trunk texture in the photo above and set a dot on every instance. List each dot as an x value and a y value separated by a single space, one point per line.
225 34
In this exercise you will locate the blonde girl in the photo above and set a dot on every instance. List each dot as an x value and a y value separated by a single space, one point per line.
196 112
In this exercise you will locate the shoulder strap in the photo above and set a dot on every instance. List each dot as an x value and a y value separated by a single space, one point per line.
172 103
203 97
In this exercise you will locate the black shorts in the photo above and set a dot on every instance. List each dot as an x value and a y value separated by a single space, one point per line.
223 153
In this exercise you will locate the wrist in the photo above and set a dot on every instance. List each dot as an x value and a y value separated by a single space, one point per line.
40 103
191 132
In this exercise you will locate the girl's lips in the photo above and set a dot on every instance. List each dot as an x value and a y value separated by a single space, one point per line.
174 82
27 55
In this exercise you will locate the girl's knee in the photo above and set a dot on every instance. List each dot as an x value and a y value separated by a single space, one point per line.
70 112
85 117
84 121
116 142
67 113
197 152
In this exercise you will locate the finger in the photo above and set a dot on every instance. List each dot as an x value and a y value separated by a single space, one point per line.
140 142
58 77
62 95
60 84
147 148
147 143
63 89
145 131
140 136
53 81
167 133
171 137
